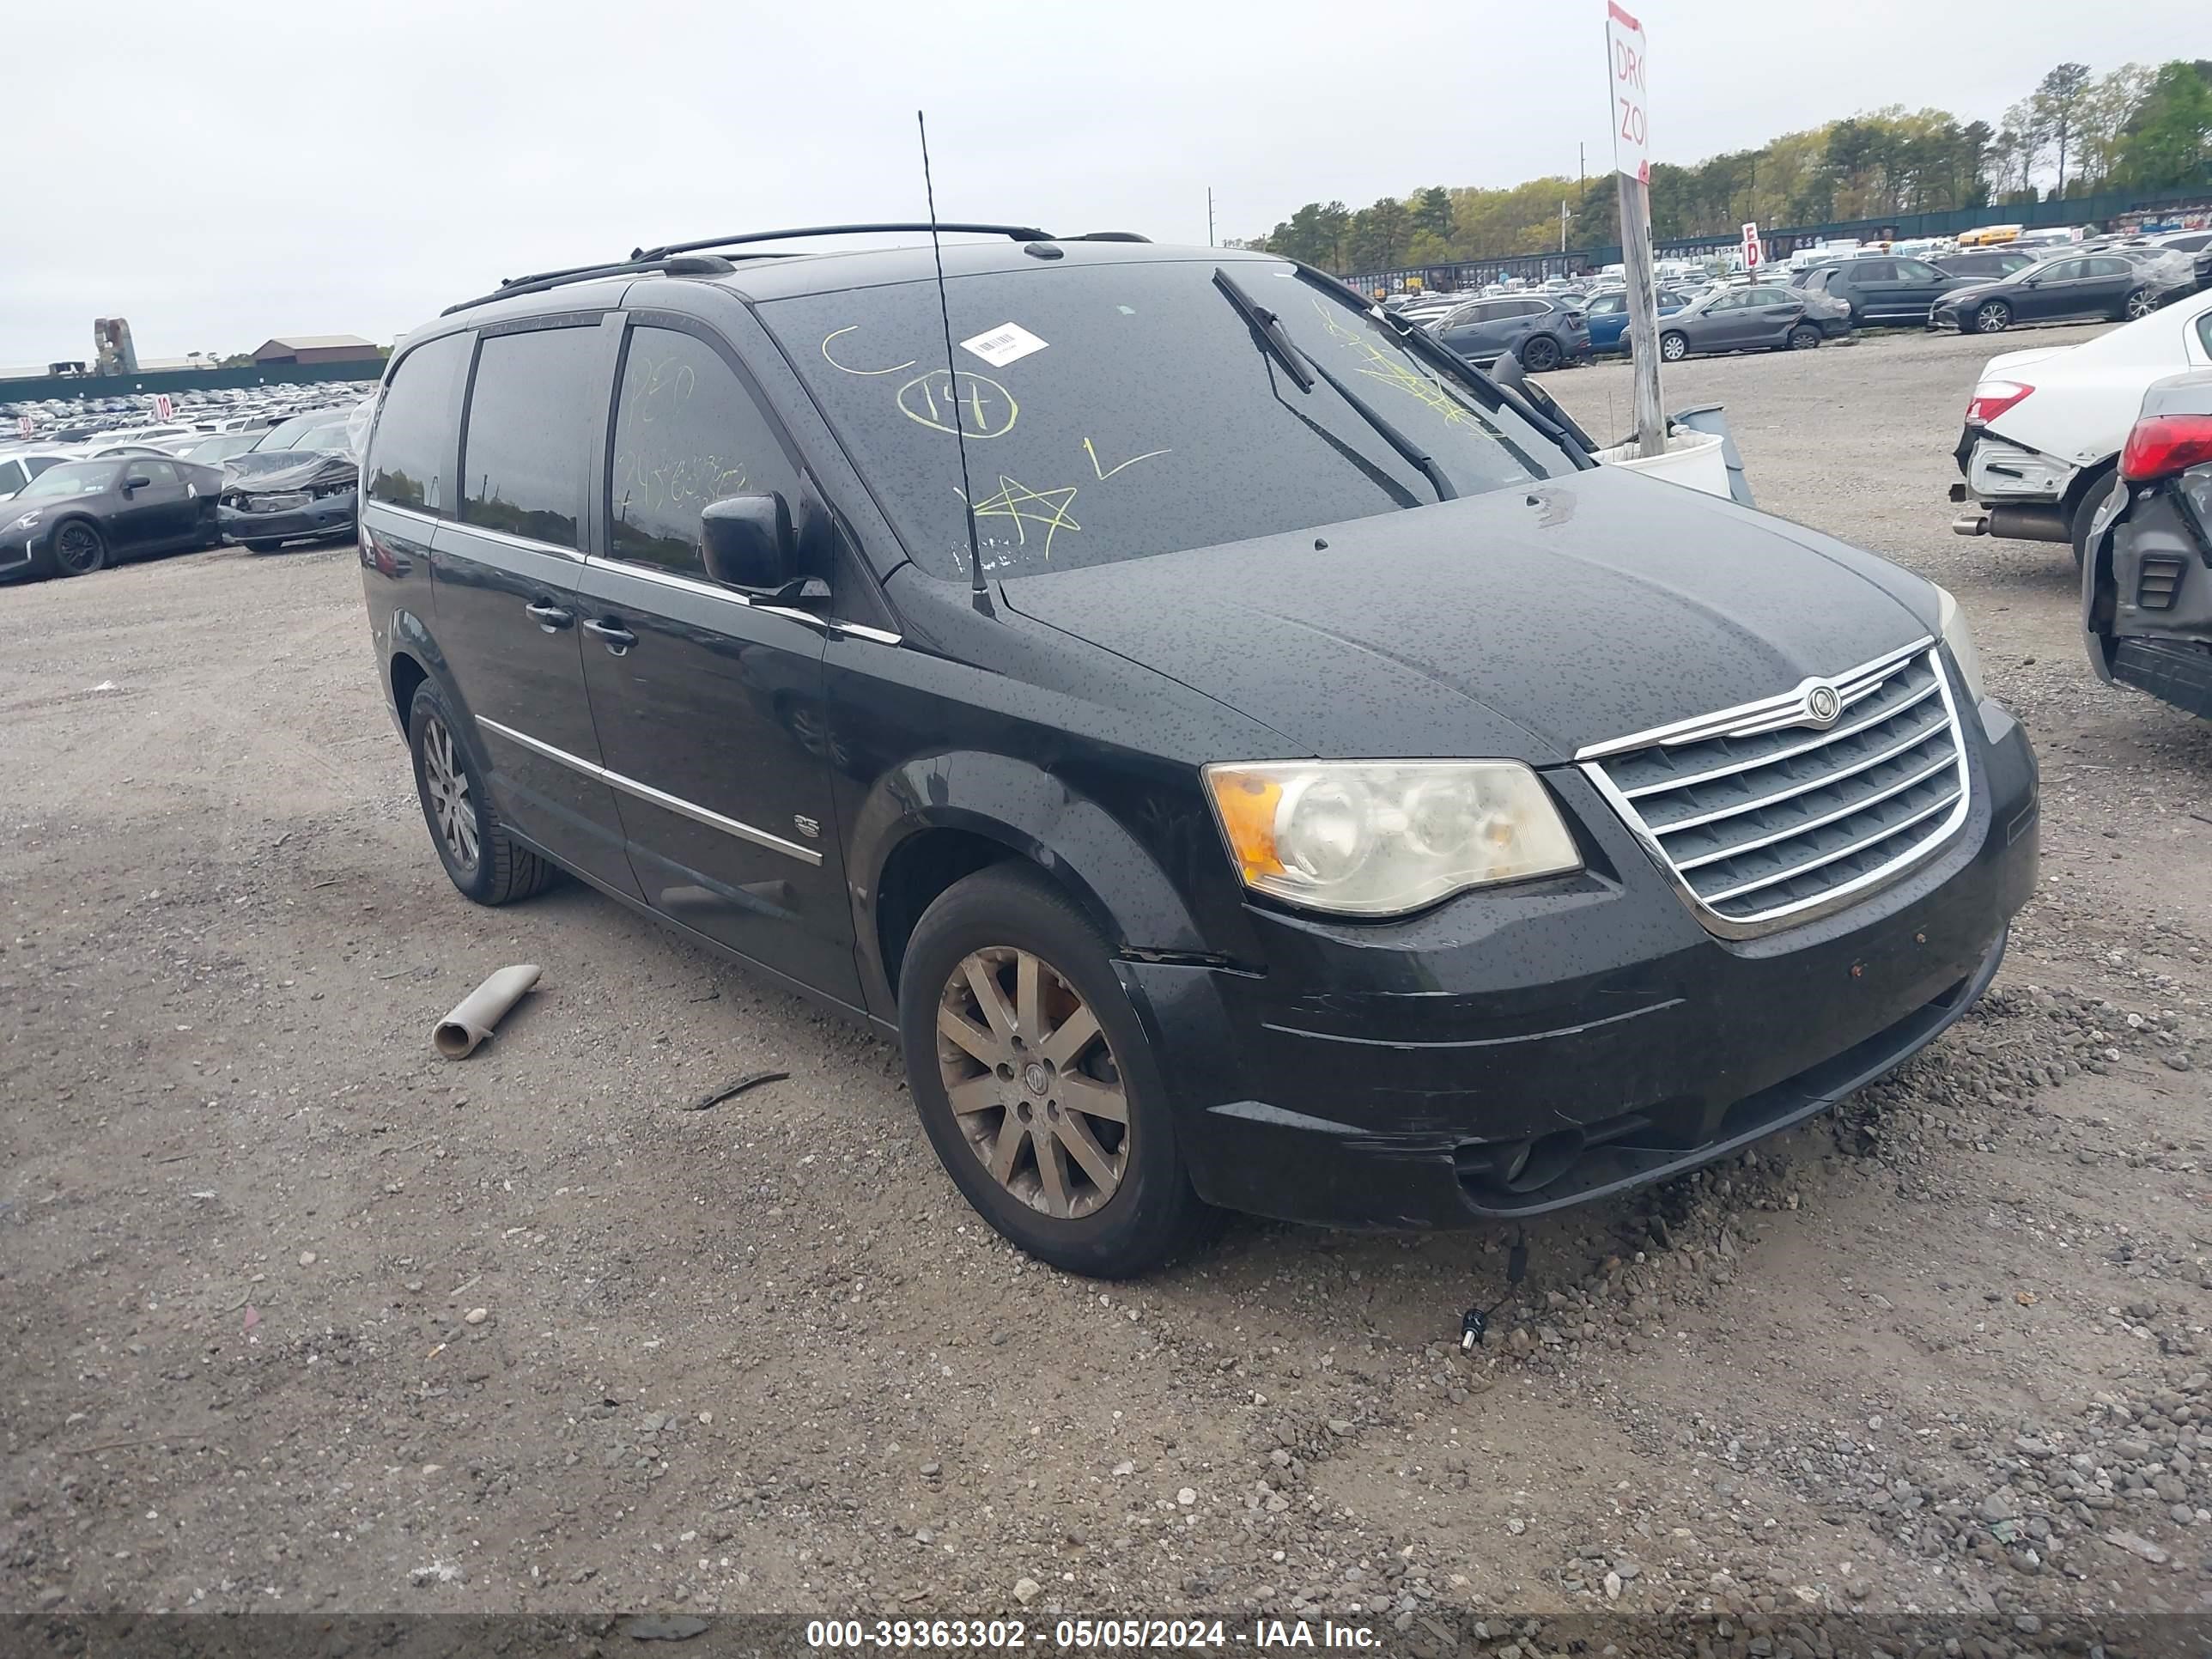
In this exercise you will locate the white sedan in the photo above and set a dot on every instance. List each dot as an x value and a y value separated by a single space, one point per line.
2043 427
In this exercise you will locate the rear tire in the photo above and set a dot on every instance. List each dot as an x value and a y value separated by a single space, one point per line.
481 860
79 548
2138 304
1028 1159
1803 337
2085 509
1540 353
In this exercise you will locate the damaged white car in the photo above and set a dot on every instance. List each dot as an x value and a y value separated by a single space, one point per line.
2043 427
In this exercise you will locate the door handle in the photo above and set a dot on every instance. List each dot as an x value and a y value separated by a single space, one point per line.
549 617
616 638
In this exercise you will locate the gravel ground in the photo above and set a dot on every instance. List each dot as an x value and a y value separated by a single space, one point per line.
302 1318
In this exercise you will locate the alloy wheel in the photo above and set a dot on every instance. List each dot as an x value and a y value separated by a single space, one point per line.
77 549
447 783
1032 1082
2139 305
1674 348
1993 318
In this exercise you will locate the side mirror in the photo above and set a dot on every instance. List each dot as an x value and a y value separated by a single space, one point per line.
748 543
136 481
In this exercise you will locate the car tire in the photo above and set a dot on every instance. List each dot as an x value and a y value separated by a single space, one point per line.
2138 304
2093 490
1540 353
78 548
1674 346
1120 1203
481 859
1990 317
1802 338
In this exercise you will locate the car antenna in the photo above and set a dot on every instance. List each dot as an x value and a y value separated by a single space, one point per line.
979 595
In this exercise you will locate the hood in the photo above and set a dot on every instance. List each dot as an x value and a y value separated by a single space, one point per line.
1523 623
287 469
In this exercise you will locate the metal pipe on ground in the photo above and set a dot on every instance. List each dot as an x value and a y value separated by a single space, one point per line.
456 1036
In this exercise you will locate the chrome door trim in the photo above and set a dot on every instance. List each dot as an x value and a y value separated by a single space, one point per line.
645 792
427 520
506 539
730 596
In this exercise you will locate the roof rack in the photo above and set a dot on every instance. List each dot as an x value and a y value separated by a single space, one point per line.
688 266
690 259
1019 232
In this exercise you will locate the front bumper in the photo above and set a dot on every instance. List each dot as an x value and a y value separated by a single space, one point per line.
327 515
1516 1052
25 554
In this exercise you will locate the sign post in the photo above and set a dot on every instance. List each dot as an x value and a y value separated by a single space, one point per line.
1631 161
1753 257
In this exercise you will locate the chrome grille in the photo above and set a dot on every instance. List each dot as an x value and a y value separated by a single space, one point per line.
1764 815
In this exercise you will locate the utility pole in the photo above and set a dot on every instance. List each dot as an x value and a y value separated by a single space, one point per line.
1209 215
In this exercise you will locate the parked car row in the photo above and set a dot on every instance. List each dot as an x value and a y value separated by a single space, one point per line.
69 512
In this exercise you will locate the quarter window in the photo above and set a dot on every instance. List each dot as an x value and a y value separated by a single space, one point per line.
687 434
530 415
414 441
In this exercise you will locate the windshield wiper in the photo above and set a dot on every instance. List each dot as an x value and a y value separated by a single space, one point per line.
1268 326
1302 368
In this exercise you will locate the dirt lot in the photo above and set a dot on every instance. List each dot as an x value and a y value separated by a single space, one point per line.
301 1317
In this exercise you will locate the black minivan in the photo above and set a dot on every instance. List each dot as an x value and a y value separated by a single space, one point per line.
1249 757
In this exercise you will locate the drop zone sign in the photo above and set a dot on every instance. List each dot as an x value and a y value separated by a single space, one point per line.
1625 56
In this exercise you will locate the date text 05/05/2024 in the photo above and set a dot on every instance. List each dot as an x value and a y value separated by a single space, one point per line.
1085 1634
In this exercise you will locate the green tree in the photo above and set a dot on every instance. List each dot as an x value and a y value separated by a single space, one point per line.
2110 105
1432 212
2060 100
2168 141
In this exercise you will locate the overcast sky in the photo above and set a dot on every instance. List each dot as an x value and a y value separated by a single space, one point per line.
220 172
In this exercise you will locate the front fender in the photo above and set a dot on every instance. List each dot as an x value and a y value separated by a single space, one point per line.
1077 841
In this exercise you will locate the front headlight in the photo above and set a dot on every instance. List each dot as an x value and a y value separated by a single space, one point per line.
27 521
1378 838
1960 636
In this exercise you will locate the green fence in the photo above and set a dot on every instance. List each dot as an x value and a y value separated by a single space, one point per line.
174 380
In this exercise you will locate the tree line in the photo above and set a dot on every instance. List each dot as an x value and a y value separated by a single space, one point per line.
2076 133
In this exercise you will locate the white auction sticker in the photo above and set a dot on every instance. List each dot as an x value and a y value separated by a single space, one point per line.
1006 344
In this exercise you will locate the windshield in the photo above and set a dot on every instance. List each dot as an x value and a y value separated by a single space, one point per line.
293 434
1112 411
72 478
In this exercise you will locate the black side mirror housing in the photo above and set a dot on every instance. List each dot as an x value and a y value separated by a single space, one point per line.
136 481
748 543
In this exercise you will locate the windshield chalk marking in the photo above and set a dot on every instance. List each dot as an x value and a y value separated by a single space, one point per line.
1014 495
1108 472
969 393
854 328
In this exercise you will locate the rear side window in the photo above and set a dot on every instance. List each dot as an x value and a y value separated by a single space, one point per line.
530 417
2204 332
154 472
414 441
687 433
2108 267
1873 270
